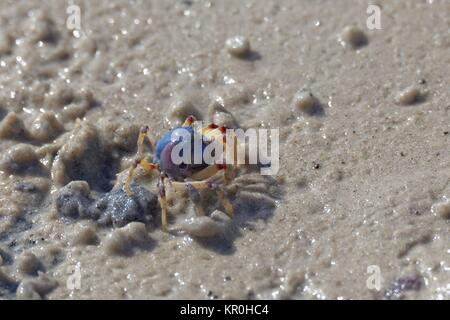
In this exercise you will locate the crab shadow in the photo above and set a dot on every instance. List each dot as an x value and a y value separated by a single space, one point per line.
255 200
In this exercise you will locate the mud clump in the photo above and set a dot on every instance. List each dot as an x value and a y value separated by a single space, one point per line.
207 226
36 288
45 127
180 110
217 114
124 241
60 95
20 158
7 284
118 208
74 201
29 264
12 127
85 235
120 136
115 208
84 157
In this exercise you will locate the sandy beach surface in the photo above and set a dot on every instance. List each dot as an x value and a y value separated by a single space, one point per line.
357 210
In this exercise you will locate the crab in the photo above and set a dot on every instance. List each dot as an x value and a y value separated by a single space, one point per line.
184 177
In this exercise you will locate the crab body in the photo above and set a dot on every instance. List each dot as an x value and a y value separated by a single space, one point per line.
164 148
191 177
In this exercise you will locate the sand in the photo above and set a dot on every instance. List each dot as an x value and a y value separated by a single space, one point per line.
360 199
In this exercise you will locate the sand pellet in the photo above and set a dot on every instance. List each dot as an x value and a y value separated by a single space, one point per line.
408 96
305 101
238 46
11 127
353 37
28 263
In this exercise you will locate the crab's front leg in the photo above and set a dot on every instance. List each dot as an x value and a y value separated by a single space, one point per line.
143 133
139 161
189 121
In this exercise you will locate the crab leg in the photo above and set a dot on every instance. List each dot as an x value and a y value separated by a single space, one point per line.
195 197
189 121
208 172
147 166
208 184
139 161
214 132
162 201
228 171
140 143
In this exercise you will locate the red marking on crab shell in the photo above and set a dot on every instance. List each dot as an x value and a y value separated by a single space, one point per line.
212 126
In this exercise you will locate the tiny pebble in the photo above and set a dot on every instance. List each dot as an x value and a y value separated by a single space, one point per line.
408 96
85 235
442 209
238 46
305 101
353 36
28 263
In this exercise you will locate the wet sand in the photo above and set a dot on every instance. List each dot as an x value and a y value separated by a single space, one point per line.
364 149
